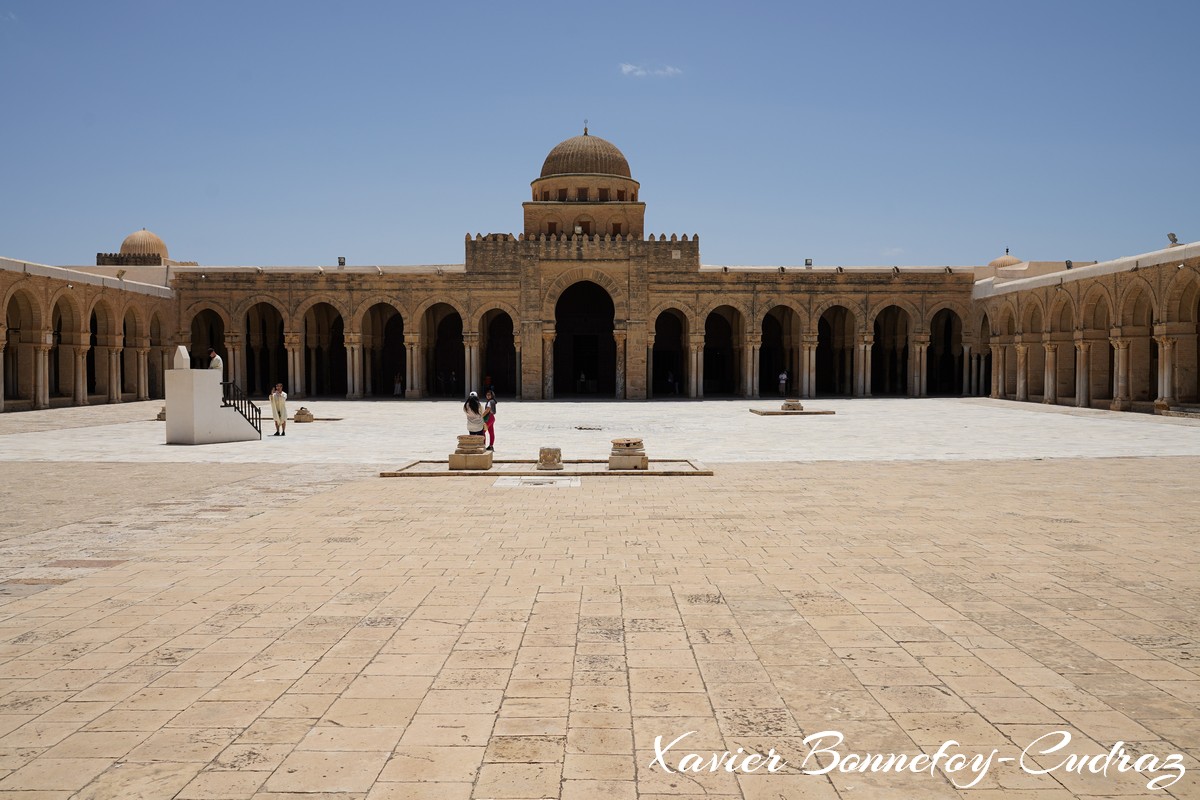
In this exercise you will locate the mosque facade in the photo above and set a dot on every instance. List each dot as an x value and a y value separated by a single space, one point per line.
584 303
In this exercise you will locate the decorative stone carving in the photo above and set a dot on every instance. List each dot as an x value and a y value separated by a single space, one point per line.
628 454
790 404
302 415
550 458
470 453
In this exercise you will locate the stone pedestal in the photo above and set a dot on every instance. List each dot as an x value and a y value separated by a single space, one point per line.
628 454
550 458
470 454
791 405
302 415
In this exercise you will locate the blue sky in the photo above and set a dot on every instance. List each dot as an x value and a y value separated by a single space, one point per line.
847 132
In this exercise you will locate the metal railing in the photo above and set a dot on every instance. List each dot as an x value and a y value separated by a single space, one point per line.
233 396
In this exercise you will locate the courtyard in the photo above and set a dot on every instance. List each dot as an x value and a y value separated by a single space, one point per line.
272 620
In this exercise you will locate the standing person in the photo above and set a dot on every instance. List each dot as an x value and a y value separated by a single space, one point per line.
489 416
474 412
398 386
279 410
215 362
783 383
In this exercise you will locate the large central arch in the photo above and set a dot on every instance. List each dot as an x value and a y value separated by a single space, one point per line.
585 352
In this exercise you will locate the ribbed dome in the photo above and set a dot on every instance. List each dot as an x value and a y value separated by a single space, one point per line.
143 243
1005 260
586 154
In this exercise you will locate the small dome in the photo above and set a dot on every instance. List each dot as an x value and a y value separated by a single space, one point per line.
587 155
1005 260
143 243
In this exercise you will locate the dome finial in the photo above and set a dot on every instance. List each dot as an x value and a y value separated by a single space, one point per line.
585 127
1006 251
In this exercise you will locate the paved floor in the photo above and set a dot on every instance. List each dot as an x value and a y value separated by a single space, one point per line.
287 625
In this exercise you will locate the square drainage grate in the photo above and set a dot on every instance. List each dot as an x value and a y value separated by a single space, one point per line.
522 482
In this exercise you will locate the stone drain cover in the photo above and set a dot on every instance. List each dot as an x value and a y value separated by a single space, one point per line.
521 482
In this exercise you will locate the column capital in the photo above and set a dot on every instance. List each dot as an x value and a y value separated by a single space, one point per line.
619 336
809 338
470 338
650 340
1082 345
921 339
293 340
412 338
548 336
352 339
1118 342
233 339
754 339
142 351
867 339
1050 346
1021 348
1165 341
696 340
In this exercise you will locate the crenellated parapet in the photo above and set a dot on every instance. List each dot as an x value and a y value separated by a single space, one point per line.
504 251
129 260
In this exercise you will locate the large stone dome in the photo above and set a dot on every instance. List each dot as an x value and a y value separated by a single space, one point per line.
586 154
143 243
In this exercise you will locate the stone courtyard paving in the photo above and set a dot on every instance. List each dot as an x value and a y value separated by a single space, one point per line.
271 620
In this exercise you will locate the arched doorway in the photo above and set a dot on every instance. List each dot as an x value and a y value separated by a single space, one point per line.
778 351
499 355
835 353
131 335
1062 333
324 352
1032 332
158 356
1097 327
208 330
723 352
889 353
1008 355
944 359
670 368
1137 328
384 354
23 321
66 336
585 352
443 343
102 379
266 353
983 360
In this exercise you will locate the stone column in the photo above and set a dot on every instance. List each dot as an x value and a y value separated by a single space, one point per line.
294 344
517 353
368 372
1083 382
237 358
922 365
650 366
143 373
41 375
414 366
749 366
966 374
81 398
547 365
1166 373
353 344
1121 379
809 343
471 361
619 338
997 369
114 374
1050 378
1022 364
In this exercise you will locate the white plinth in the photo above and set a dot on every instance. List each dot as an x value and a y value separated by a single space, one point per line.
194 411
